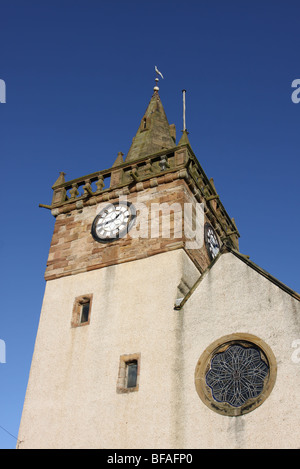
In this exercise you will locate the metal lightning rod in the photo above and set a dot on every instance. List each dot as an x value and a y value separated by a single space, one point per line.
183 97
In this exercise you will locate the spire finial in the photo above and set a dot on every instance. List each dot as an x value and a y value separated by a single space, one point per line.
156 88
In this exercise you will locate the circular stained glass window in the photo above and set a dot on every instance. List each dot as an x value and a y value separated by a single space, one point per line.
235 375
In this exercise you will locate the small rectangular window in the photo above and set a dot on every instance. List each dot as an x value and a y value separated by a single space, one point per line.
129 372
85 310
81 310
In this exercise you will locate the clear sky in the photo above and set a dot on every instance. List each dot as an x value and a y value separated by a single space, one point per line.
79 75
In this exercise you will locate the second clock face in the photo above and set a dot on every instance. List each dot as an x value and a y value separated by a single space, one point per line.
211 241
113 222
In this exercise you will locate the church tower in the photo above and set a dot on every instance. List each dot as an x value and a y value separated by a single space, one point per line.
155 331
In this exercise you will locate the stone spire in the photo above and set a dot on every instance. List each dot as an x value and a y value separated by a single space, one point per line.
154 133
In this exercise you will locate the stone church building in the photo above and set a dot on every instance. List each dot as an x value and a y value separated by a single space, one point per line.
147 339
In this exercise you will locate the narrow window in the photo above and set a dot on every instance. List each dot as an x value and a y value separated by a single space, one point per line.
85 311
81 310
145 124
129 372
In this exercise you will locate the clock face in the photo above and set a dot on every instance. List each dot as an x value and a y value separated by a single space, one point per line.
211 241
113 222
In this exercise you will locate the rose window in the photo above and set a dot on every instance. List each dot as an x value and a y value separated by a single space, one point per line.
237 375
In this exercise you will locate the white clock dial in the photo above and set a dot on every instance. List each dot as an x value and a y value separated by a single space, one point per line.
211 241
113 222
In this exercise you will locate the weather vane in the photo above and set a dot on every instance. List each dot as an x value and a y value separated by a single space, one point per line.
156 88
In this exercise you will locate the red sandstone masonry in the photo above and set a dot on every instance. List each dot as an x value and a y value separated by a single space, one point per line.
73 249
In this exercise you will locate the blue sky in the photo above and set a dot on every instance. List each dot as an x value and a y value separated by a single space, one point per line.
79 76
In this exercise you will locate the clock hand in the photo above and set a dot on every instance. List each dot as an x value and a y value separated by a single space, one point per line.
109 221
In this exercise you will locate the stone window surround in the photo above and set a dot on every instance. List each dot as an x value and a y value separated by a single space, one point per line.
76 313
203 365
121 381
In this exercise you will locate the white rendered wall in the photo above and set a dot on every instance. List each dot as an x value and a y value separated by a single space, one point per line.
233 298
71 400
